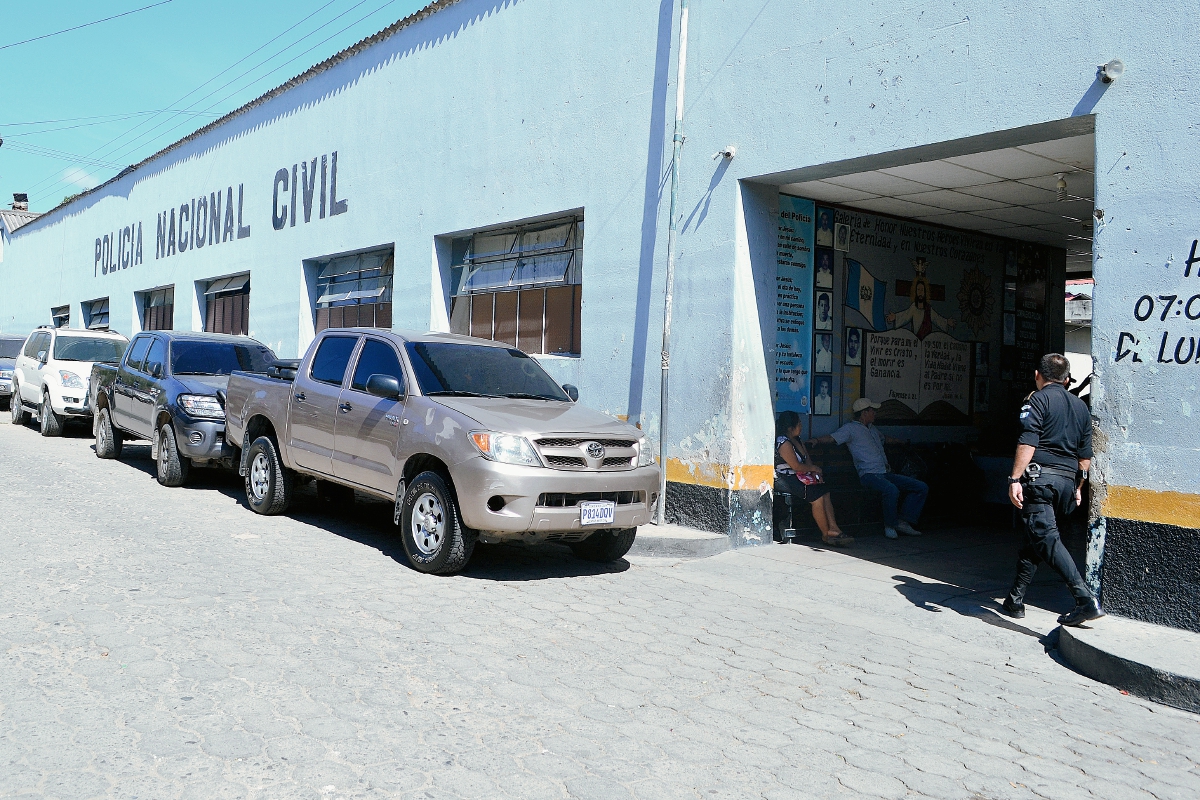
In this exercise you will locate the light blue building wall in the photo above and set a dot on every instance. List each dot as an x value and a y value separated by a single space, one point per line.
478 113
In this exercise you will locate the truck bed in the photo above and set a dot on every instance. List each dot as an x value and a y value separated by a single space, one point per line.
259 394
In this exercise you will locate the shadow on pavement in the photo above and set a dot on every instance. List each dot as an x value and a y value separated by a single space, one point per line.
368 521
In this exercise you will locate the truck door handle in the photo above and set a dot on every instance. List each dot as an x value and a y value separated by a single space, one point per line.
299 396
344 407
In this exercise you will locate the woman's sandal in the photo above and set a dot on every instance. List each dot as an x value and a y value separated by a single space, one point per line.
841 540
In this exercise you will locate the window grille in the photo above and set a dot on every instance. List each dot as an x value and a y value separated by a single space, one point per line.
355 291
158 309
521 285
227 305
96 314
61 315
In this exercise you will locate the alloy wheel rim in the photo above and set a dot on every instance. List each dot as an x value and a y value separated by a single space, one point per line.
428 523
260 476
162 451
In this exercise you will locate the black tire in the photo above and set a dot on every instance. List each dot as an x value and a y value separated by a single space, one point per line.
440 544
14 406
173 468
269 484
109 440
605 546
51 424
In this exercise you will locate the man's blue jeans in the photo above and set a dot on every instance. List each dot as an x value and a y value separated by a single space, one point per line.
891 485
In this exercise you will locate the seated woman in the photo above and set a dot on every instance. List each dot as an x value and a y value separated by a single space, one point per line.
795 474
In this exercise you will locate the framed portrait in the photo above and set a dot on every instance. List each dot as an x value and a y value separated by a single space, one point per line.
1010 329
823 353
823 315
841 236
981 394
824 237
853 347
982 357
822 402
824 269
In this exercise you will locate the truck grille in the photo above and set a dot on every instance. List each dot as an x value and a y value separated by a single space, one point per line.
570 500
585 454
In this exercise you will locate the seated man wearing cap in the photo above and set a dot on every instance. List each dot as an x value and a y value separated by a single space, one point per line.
866 447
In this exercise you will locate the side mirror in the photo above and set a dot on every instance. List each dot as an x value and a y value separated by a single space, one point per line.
385 386
572 391
43 356
155 369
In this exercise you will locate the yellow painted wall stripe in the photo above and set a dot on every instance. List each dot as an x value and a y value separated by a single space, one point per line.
1166 508
720 476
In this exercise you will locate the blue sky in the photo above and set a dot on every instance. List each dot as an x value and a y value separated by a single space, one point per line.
111 94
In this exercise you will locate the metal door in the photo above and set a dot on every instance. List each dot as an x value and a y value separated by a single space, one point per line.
313 407
368 428
123 384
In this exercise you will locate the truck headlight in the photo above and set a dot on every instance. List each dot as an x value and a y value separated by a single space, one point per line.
505 448
645 454
70 380
5 374
201 405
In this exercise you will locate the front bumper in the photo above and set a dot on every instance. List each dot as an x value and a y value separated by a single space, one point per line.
202 440
478 480
69 402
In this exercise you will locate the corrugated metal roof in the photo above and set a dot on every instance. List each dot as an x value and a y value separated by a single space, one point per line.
303 77
11 220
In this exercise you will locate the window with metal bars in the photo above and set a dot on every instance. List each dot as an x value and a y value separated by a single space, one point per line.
96 314
522 285
61 316
158 309
355 291
227 305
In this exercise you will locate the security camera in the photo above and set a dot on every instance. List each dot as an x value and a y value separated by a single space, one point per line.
726 152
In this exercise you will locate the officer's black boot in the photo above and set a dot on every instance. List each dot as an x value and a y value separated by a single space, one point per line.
1084 611
1013 608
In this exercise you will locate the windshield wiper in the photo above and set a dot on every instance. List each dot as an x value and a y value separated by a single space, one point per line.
528 396
457 393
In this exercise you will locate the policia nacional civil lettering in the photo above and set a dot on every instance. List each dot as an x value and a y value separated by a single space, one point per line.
1054 452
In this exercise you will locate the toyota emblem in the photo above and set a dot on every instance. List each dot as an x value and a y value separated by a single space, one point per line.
595 450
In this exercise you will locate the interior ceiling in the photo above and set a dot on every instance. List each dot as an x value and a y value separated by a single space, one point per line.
1006 192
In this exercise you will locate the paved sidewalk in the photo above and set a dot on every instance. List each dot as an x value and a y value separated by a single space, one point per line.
168 643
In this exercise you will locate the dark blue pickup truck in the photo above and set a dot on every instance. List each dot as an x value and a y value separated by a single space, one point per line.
169 388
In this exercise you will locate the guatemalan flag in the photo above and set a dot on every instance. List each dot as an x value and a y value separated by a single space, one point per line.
865 294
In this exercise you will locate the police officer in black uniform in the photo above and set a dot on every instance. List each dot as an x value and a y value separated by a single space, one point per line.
1054 452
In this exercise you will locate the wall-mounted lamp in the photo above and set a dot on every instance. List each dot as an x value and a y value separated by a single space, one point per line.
1111 71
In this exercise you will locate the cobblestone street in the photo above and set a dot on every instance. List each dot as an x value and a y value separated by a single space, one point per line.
165 643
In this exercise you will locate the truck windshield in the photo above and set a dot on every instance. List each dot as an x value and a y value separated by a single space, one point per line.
10 348
87 348
218 358
473 370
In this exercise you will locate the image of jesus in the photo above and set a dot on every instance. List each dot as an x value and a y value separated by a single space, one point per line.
920 315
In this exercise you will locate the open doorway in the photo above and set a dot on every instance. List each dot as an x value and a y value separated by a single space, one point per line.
931 280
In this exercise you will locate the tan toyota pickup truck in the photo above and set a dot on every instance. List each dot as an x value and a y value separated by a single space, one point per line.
471 439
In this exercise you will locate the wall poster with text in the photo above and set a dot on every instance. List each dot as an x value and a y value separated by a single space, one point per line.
793 304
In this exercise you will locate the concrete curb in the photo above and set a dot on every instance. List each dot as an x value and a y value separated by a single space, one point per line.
1116 652
676 541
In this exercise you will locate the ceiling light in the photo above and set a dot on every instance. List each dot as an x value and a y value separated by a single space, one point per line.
1060 188
1111 71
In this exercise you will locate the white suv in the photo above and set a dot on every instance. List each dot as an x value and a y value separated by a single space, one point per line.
50 379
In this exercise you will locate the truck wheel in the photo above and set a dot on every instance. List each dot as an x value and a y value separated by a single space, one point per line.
605 546
435 540
51 423
268 482
108 440
14 406
172 468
